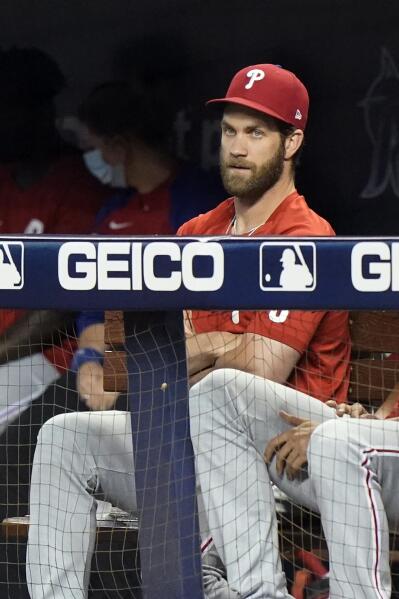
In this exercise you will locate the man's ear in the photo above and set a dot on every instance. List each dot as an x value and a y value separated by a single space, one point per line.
293 142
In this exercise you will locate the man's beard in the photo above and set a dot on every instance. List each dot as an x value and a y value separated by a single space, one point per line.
251 188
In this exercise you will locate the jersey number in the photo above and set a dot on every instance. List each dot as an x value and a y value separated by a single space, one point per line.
278 315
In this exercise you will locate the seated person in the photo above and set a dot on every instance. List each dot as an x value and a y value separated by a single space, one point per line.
352 468
80 455
43 187
160 194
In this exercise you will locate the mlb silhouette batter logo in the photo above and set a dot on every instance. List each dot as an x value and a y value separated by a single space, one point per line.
287 266
11 265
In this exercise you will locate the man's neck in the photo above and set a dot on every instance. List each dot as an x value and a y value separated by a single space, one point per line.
252 215
149 171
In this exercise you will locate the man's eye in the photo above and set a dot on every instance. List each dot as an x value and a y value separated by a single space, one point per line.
257 133
228 131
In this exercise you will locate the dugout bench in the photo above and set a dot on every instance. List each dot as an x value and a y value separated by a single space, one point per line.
374 372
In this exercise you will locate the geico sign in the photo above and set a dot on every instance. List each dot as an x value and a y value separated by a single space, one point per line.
85 265
375 266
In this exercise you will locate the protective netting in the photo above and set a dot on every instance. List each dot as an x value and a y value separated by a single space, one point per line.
89 531
34 389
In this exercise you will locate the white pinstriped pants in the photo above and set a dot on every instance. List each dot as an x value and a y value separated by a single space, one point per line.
354 468
233 416
76 455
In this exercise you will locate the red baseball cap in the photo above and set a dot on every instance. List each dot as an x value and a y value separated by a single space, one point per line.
270 89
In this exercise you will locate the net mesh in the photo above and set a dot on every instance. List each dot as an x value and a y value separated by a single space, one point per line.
83 485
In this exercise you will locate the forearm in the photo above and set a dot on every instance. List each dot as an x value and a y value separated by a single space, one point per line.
31 332
241 359
389 403
89 367
260 356
93 336
204 349
198 376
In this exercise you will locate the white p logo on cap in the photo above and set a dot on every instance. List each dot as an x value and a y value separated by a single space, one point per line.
254 75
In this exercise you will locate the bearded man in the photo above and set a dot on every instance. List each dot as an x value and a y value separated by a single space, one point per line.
277 361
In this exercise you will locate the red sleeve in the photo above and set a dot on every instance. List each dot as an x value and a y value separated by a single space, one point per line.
8 317
181 229
184 229
294 328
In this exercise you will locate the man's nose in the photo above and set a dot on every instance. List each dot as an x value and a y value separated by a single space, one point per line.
238 147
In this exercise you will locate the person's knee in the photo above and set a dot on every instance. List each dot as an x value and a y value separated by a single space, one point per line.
202 394
212 398
200 406
326 444
56 432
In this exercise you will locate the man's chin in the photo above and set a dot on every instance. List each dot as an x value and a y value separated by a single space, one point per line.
240 191
236 185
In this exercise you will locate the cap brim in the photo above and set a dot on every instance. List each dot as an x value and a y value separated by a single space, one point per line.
247 104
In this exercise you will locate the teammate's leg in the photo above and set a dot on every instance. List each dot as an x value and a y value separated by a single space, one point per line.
76 456
354 470
233 417
17 447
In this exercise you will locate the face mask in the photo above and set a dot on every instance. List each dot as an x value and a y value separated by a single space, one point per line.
109 175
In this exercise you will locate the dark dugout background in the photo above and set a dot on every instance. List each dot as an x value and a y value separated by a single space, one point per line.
346 52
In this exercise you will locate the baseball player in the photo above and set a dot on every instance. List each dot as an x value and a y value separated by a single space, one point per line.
43 187
300 353
234 415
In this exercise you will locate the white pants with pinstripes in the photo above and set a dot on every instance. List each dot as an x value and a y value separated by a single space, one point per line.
354 470
76 455
233 416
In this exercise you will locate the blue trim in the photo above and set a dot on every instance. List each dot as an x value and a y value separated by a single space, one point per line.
84 355
86 319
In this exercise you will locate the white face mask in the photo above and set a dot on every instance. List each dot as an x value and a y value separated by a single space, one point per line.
107 174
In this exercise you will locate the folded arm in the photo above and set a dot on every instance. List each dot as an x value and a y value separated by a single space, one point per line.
248 352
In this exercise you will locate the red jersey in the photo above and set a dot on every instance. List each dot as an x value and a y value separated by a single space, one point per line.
321 337
139 214
66 200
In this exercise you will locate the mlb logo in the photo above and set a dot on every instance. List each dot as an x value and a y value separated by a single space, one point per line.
287 266
11 265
